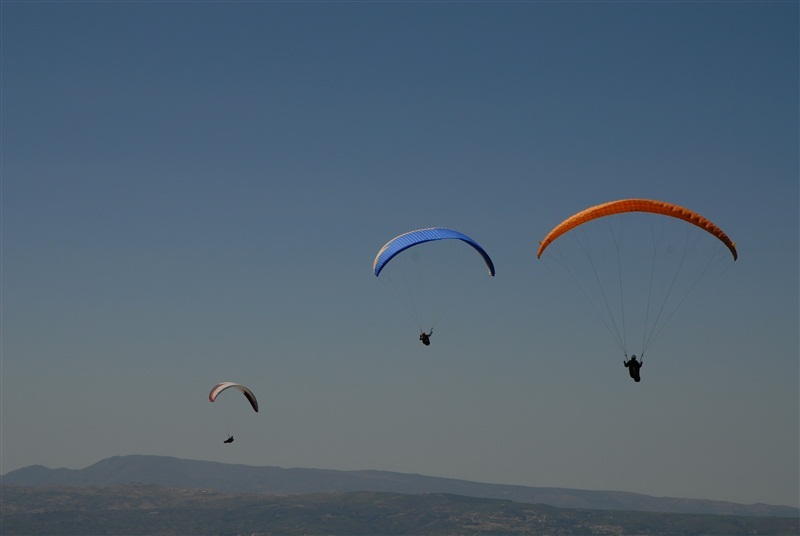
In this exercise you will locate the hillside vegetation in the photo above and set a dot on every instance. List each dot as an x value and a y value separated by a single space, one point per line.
147 509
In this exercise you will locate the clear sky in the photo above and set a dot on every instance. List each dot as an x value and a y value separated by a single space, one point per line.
195 192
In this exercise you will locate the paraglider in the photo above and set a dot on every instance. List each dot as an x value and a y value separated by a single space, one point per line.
220 387
426 338
633 367
637 270
422 284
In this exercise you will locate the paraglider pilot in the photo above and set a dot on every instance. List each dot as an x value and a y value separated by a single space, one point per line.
229 440
426 337
633 368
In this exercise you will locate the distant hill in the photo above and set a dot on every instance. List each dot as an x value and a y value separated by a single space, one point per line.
144 509
180 473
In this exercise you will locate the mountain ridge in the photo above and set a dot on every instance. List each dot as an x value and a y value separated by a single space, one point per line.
239 478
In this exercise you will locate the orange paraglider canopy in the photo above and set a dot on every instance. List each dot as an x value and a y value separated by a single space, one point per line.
636 205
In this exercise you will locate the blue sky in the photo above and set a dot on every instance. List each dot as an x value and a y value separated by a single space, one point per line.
194 192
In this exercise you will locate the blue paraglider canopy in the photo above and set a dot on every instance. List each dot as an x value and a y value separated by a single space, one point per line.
412 238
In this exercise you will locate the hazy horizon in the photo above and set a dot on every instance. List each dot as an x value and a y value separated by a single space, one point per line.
104 461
